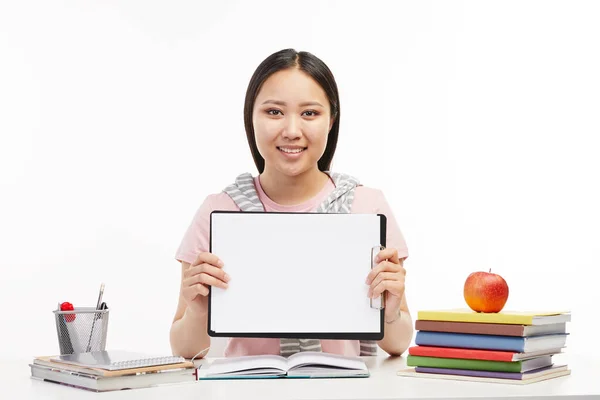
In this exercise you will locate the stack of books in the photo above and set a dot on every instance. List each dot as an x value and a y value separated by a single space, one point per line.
103 371
506 347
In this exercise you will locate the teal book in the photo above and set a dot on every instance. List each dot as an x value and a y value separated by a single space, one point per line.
305 364
480 365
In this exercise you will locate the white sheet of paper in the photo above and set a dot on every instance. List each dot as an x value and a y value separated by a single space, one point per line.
294 273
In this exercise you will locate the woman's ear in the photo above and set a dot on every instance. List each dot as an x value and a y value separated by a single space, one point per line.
331 122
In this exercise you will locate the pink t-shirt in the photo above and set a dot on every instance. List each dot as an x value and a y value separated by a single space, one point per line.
196 240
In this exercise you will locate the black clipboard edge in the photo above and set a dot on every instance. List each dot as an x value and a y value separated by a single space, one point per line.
323 335
288 335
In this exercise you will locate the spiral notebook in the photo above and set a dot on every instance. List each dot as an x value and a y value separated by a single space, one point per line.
113 360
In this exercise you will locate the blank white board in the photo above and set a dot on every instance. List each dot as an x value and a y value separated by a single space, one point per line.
295 275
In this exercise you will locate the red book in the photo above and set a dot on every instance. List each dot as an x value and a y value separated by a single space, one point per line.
473 354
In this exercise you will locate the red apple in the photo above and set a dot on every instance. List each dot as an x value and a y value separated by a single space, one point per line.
485 292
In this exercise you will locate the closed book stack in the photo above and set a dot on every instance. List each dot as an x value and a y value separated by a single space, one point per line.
104 371
505 347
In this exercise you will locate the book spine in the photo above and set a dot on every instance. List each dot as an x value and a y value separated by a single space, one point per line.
459 363
470 327
471 354
470 341
466 372
494 318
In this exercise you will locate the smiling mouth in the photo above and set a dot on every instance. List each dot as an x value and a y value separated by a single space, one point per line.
295 150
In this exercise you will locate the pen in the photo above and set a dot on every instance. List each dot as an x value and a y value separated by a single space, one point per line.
99 303
96 316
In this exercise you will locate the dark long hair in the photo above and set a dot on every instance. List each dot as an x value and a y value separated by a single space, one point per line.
314 67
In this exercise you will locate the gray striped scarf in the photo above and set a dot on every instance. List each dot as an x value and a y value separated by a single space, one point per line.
243 193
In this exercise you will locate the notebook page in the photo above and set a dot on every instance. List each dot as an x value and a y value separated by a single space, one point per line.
247 363
315 359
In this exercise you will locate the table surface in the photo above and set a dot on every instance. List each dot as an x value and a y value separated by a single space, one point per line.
584 382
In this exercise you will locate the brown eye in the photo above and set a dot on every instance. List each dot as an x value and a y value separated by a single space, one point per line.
311 113
273 112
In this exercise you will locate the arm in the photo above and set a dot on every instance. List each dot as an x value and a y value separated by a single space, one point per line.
387 279
398 325
189 333
398 328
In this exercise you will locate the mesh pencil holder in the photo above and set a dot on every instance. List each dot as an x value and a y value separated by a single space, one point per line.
81 330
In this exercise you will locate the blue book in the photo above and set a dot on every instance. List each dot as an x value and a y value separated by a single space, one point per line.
491 342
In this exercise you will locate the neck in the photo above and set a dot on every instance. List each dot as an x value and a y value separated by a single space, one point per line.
292 190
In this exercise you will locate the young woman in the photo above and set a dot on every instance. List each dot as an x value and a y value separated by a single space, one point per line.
292 119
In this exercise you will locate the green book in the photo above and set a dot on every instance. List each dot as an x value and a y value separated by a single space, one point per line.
479 365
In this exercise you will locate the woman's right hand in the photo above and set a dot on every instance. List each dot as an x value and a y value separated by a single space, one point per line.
206 271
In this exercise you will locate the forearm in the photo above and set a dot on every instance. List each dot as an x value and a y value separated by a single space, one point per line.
397 335
189 335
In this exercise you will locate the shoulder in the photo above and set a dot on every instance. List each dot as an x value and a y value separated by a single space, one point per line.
368 192
221 201
217 201
368 199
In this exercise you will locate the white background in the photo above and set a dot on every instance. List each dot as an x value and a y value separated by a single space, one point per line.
478 120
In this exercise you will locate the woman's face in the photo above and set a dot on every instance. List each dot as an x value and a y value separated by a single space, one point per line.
291 120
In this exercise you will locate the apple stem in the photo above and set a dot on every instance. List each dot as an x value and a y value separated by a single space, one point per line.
490 270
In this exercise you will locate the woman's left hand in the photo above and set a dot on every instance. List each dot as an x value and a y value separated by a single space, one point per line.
387 278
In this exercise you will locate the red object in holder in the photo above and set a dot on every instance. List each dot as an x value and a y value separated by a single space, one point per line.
66 306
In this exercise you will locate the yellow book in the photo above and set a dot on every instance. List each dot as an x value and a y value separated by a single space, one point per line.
504 317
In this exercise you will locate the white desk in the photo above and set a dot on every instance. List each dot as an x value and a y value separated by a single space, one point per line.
583 383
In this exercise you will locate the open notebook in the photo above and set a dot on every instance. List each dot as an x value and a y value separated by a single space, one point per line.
300 365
